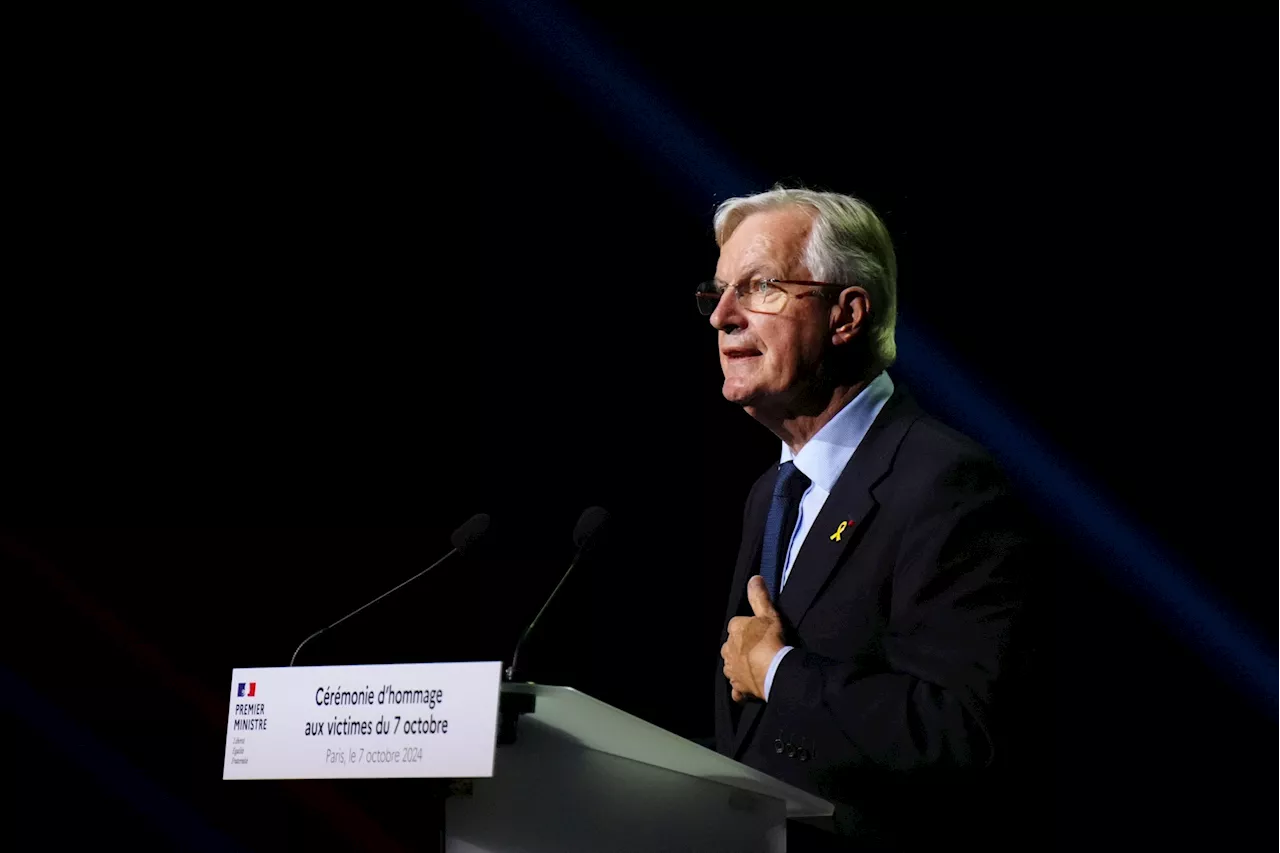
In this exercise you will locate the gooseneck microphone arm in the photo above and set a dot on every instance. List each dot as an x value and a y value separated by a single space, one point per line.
511 670
587 531
370 604
463 538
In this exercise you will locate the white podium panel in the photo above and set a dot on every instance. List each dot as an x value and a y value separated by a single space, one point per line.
584 776
603 728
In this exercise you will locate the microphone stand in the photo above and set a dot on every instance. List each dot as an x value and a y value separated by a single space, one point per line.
510 703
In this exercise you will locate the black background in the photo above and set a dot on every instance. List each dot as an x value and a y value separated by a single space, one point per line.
306 293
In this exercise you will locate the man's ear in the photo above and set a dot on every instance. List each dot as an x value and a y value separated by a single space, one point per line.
853 312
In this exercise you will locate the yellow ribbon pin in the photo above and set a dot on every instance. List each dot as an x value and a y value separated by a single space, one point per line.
835 537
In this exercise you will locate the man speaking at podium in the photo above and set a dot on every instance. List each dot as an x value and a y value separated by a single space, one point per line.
873 626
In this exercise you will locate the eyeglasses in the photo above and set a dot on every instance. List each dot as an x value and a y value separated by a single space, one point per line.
764 296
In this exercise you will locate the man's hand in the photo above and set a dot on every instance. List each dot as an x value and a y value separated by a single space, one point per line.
753 642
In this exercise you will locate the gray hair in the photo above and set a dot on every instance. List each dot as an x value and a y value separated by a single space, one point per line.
848 244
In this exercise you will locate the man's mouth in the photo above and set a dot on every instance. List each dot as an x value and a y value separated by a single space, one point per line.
740 353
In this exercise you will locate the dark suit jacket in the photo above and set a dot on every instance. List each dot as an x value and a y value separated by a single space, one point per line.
907 633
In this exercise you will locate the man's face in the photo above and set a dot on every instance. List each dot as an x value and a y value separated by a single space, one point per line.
768 359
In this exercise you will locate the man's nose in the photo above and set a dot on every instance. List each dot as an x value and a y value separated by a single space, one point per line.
728 315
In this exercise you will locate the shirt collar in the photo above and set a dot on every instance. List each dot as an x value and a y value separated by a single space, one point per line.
824 456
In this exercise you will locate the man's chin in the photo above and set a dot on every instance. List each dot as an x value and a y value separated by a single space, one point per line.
759 403
738 395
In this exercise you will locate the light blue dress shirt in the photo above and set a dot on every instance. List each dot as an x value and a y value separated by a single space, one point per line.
822 460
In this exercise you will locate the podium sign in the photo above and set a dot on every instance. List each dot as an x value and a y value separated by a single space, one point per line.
358 722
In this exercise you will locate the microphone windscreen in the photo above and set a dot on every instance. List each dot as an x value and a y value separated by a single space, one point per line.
593 518
471 531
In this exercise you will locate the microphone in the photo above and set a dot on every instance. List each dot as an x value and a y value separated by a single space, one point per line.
585 534
465 537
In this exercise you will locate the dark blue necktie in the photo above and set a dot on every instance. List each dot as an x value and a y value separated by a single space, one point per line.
787 491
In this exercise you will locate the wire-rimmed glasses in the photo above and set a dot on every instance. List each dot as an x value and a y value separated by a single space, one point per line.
762 296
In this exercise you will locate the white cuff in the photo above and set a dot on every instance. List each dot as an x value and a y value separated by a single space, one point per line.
773 668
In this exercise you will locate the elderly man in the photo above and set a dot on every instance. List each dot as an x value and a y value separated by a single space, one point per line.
871 627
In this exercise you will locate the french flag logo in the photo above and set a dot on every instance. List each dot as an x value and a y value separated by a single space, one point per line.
252 688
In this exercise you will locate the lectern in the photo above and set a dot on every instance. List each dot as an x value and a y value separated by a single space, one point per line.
580 775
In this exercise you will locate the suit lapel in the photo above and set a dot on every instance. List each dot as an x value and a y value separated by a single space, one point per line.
752 536
850 502
748 561
824 548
